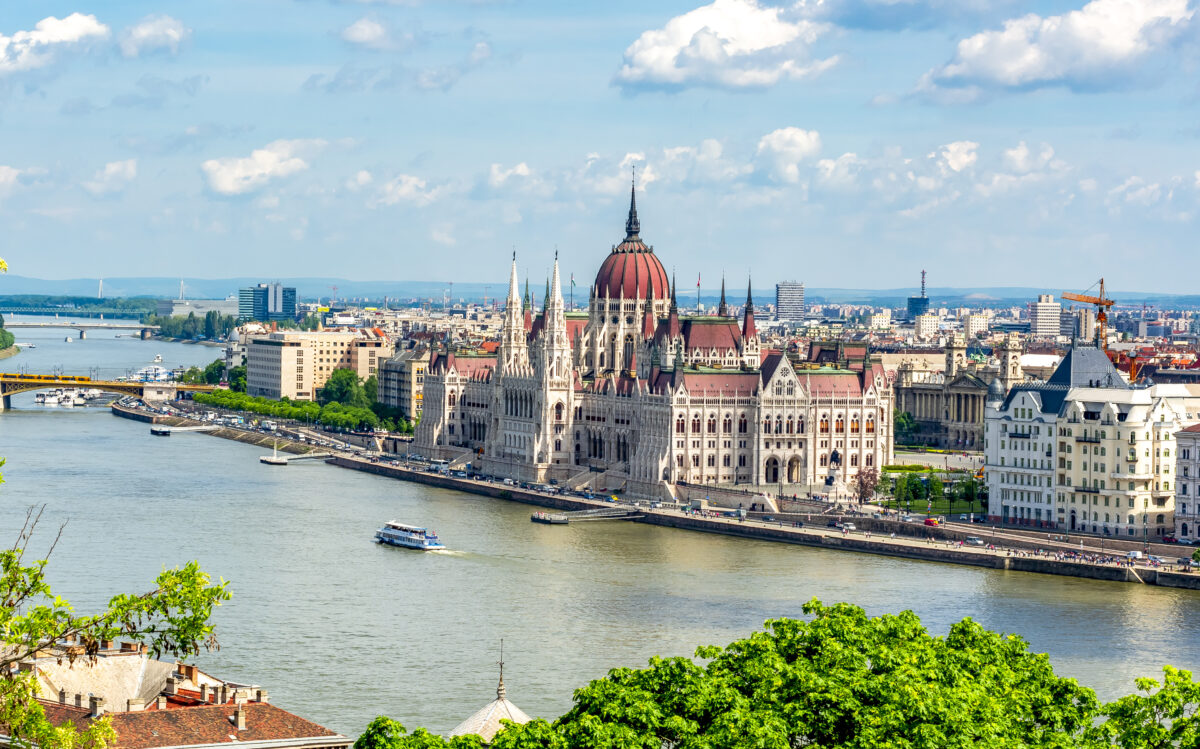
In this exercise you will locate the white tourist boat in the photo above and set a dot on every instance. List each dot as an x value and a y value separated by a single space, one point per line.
408 537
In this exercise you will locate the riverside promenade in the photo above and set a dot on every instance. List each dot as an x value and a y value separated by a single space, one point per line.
872 536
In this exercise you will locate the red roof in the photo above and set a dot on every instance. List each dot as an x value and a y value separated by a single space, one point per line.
631 270
712 333
207 724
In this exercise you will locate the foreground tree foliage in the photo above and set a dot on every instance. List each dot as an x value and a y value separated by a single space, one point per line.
844 679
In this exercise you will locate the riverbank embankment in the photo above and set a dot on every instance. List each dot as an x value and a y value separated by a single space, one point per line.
10 351
905 540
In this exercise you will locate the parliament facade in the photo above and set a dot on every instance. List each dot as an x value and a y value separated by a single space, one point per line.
633 395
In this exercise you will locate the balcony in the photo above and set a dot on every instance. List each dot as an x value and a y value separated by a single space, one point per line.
1096 440
1019 435
1086 489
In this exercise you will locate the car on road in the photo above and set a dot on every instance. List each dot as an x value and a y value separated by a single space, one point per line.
849 527
932 522
906 519
832 524
973 541
1170 540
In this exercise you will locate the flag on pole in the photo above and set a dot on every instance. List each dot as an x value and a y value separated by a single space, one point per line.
572 280
697 280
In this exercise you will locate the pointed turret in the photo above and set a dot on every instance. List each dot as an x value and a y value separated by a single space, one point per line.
649 319
748 328
723 308
528 299
632 225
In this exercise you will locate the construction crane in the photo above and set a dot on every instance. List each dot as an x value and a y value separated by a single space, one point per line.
1102 304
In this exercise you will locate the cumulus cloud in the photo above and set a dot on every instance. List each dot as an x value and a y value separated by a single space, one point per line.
406 188
735 44
841 173
1022 160
780 152
156 33
114 177
1137 191
957 156
1098 46
498 175
361 179
28 50
372 33
238 175
703 164
8 179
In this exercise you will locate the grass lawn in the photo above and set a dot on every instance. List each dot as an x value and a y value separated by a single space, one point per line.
940 507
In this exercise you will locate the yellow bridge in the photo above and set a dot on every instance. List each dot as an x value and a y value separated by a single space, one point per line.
11 384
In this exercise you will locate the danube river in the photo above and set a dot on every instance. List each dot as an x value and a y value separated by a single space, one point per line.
340 630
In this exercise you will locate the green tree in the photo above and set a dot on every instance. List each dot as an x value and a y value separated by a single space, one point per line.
193 376
936 488
214 371
904 427
344 387
385 733
371 390
901 492
237 379
171 619
847 681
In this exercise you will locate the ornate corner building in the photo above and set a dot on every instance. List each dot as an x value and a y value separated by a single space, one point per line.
633 395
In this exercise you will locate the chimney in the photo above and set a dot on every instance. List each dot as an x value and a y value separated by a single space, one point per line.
106 645
204 693
62 696
135 705
224 694
239 718
241 696
96 706
262 696
172 686
160 702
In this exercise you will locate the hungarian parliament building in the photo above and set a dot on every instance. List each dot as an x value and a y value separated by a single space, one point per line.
632 395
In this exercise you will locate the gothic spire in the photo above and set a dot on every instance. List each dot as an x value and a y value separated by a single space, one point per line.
632 225
528 299
673 285
723 308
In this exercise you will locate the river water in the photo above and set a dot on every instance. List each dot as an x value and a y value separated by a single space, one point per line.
341 630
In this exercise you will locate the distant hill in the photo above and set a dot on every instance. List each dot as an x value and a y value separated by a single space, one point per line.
319 288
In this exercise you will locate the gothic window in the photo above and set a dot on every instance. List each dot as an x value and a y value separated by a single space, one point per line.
870 459
680 425
712 424
824 425
767 426
695 461
778 425
854 425
854 459
824 460
840 426
727 424
802 426
870 425
557 445
742 424
696 424
725 461
451 399
741 461
791 388
712 461
679 460
790 425
558 411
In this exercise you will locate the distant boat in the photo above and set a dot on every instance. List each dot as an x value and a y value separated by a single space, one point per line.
68 339
26 345
408 537
157 358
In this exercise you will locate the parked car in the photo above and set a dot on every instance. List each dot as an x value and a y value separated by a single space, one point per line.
849 527
1170 540
932 522
973 541
832 524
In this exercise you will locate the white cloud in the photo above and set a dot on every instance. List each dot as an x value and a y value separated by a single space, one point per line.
27 50
735 44
8 179
695 165
234 175
367 32
497 175
360 180
1021 160
153 33
114 177
1136 190
443 234
407 189
1093 47
841 172
781 151
957 156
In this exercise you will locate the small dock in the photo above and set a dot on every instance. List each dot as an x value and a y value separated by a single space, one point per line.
578 516
282 460
162 431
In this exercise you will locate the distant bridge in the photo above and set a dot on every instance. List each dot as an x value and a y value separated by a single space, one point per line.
11 384
84 327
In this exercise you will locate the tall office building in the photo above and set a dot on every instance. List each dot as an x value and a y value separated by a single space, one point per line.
267 301
918 305
789 301
1045 318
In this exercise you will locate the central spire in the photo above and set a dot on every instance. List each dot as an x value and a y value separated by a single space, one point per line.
632 225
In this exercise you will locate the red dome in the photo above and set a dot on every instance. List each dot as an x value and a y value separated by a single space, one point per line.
631 271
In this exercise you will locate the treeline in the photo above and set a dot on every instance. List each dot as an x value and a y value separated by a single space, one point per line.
82 305
212 325
330 414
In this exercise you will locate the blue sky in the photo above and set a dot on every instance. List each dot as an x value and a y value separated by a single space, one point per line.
845 143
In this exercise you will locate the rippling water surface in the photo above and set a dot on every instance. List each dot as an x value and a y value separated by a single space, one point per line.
340 630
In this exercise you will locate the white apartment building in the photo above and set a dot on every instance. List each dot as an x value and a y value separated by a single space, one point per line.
975 324
881 320
926 326
789 300
402 382
296 364
1044 317
1018 449
1187 483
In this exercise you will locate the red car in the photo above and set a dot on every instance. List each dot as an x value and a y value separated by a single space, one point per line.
1170 540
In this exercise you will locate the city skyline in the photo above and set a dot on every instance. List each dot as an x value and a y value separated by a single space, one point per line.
375 139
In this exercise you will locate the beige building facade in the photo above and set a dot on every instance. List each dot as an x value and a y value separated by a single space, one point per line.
296 364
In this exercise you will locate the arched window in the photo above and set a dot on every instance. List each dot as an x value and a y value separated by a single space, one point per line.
870 459
824 425
680 425
712 424
854 459
727 424
840 426
558 411
790 425
870 425
854 425
696 424
742 424
557 445
824 460
451 399
778 425
802 426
